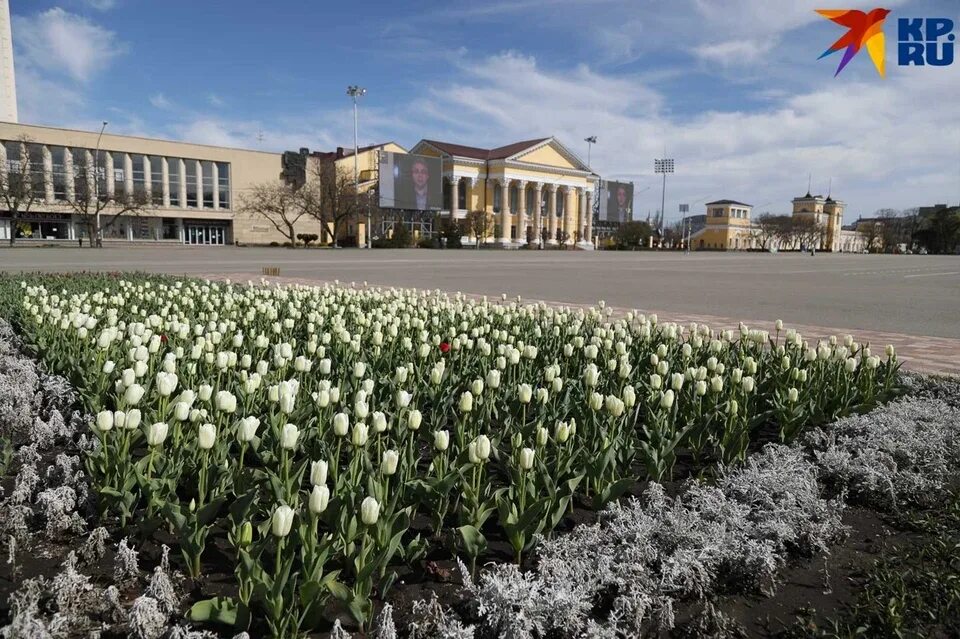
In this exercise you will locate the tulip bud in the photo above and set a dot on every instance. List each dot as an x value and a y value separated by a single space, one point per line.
595 401
629 396
318 472
493 378
542 436
747 384
700 388
282 521
850 365
246 535
119 419
793 395
676 381
108 367
733 407
205 392
655 381
206 436
414 419
369 511
562 432
403 398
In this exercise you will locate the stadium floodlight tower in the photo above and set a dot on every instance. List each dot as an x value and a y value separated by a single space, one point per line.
663 166
355 92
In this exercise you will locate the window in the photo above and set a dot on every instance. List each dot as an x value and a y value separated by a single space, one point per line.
119 173
14 158
59 156
81 172
207 168
561 202
497 199
36 169
530 198
174 180
514 199
224 185
156 180
462 196
139 174
191 184
717 212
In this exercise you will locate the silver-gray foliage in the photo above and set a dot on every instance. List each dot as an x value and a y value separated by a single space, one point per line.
902 453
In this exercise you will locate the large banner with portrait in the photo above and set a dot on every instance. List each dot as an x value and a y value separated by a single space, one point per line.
616 202
412 182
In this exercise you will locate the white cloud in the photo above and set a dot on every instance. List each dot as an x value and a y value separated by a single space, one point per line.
160 101
880 144
62 43
735 52
101 5
215 100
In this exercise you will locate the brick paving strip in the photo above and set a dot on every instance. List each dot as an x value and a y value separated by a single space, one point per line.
919 353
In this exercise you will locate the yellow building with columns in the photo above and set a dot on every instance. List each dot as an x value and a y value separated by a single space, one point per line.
537 191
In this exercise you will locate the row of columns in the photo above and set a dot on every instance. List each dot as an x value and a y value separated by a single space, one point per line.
574 220
108 165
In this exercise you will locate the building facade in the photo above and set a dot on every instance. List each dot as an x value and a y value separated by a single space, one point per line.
727 227
192 192
827 214
536 192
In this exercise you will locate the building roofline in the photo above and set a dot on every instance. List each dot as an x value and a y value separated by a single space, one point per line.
141 137
728 202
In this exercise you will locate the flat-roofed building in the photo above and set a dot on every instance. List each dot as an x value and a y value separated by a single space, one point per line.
191 192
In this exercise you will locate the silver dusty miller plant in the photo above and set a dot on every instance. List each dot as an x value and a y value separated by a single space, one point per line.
905 452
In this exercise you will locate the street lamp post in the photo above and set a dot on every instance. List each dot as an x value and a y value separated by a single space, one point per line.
663 166
355 92
590 142
96 184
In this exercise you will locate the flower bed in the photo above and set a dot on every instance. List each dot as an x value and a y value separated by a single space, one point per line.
323 437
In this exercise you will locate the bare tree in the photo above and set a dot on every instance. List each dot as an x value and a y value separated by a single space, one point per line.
96 208
17 192
331 197
478 222
808 232
279 204
771 230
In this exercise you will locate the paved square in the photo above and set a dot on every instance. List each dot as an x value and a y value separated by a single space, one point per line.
912 301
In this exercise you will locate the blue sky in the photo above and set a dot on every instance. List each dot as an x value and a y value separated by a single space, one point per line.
731 89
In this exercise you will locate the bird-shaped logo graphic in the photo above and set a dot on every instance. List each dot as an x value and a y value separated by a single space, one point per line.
863 29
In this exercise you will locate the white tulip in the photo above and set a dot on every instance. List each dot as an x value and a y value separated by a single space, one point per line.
483 448
526 458
360 434
206 436
369 511
104 421
441 440
133 394
156 434
226 402
247 429
289 436
666 400
282 521
341 424
319 499
466 402
389 463
379 422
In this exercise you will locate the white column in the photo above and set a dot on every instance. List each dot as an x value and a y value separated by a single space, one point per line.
454 196
109 171
165 181
589 225
129 228
537 213
47 174
582 221
182 170
199 186
552 213
521 212
91 173
180 229
70 189
127 175
505 238
570 214
147 179
215 177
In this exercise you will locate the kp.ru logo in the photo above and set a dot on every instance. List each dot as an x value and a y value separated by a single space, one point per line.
921 41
